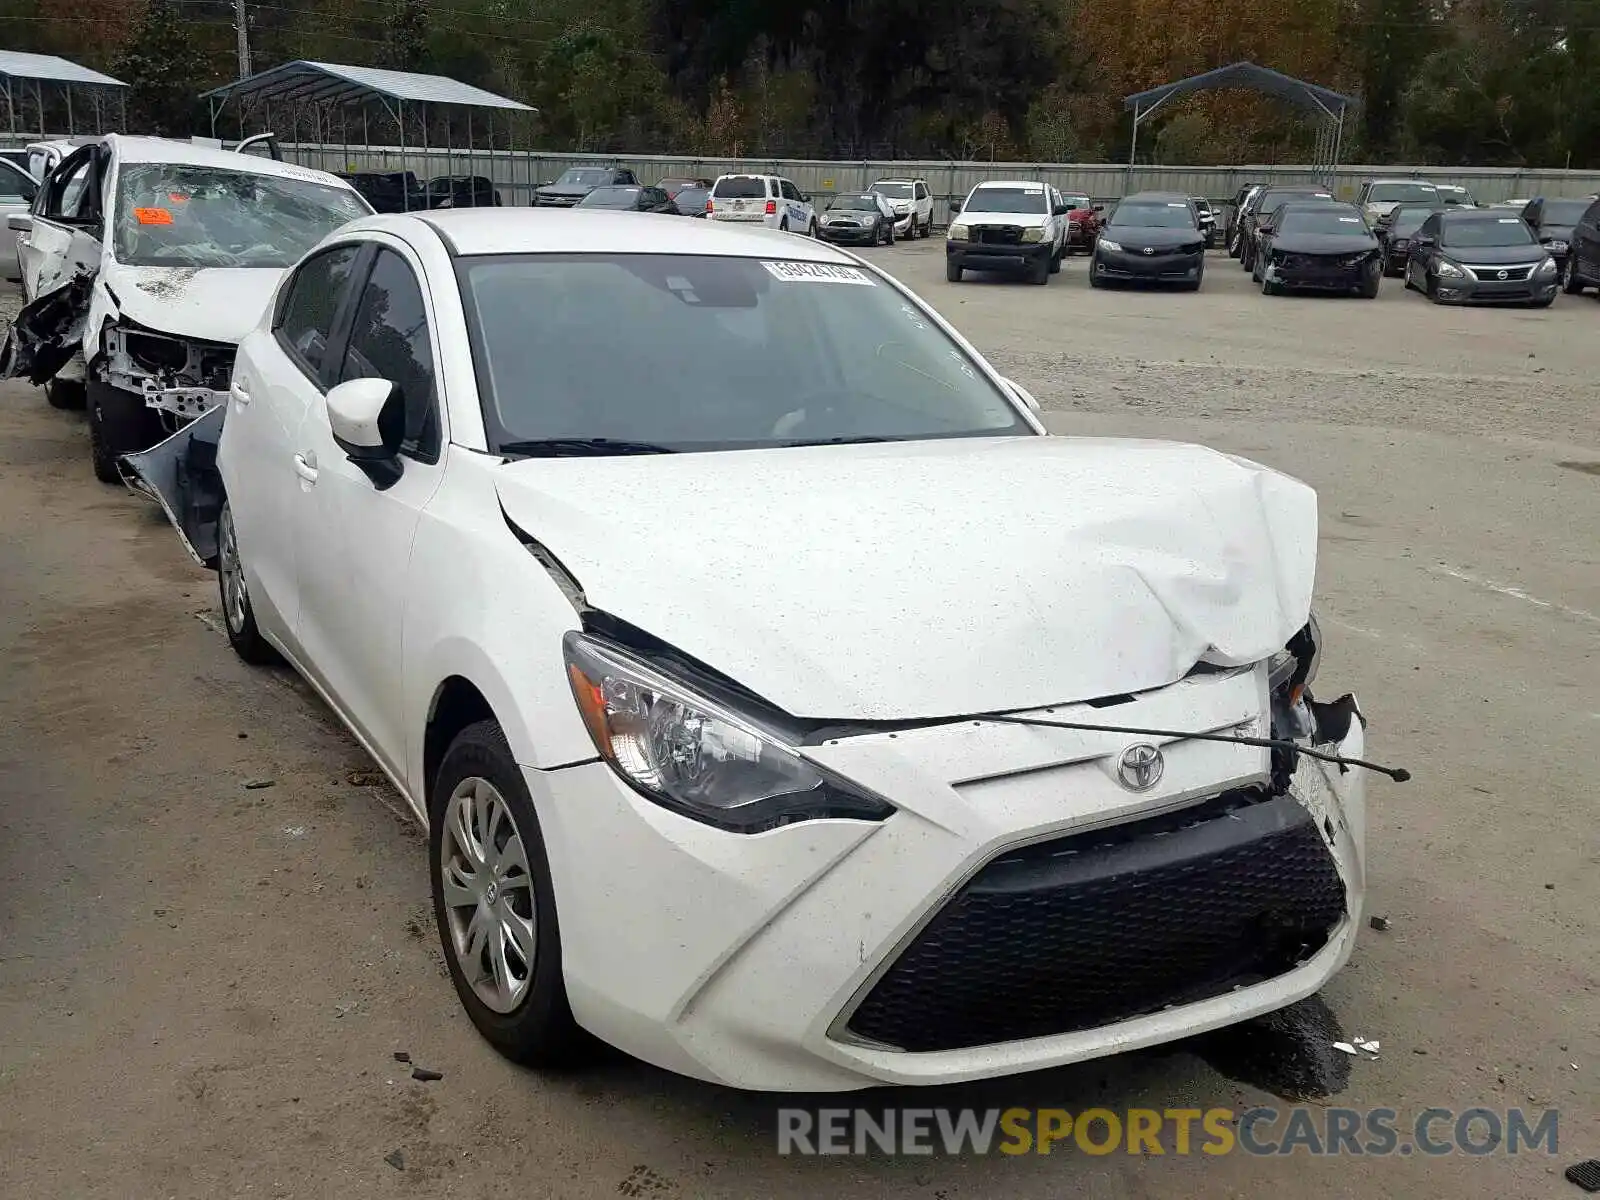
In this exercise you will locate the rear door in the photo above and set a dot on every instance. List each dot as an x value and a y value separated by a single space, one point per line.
278 374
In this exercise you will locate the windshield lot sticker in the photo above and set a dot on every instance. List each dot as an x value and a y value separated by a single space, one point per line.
803 272
1509 220
152 216
1351 220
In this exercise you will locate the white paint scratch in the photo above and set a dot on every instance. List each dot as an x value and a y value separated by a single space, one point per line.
1516 593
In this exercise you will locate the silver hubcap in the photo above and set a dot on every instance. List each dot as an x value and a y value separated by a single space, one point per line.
233 593
488 894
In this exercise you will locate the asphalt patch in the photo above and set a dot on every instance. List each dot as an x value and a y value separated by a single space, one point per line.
1288 1052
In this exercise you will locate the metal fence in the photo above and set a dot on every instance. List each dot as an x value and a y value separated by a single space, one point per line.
516 173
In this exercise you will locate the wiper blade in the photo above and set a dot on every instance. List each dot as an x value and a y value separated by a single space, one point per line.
579 447
842 441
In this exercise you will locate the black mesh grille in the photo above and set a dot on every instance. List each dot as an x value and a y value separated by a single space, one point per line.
1113 924
998 235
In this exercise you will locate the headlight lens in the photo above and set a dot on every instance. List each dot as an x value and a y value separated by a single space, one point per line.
1033 236
1450 271
1547 267
696 756
1108 244
958 233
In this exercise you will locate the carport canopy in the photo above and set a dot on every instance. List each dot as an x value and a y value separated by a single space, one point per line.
306 82
1330 106
18 69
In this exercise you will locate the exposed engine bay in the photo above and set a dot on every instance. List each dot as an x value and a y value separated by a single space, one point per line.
183 377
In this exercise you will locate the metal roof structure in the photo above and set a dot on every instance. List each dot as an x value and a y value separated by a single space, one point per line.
1245 75
47 68
307 82
1329 106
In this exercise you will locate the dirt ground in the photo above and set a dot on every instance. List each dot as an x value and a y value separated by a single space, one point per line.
202 983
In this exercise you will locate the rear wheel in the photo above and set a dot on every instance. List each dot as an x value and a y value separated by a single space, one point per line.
811 231
237 614
494 903
119 423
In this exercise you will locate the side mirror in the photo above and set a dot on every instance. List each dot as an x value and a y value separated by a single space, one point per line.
19 222
805 197
1062 210
367 417
955 206
1100 209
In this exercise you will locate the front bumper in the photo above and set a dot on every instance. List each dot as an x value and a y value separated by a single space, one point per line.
1321 273
996 256
1164 266
780 961
1534 290
849 234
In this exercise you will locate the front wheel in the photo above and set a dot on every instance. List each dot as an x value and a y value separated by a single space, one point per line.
952 272
1573 285
119 423
1039 272
494 903
1055 263
68 394
1369 286
237 614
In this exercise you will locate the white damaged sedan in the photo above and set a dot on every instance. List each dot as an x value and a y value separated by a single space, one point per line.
786 707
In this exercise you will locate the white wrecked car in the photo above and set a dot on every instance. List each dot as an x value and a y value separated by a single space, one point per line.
144 261
786 706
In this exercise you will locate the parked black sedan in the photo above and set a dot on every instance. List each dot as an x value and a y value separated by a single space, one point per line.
1394 232
1263 203
1553 219
1317 247
864 218
1151 237
1480 256
1583 270
634 198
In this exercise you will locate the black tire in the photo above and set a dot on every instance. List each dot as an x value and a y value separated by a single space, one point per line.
238 620
67 394
540 1030
783 224
1039 272
888 236
811 231
1369 286
1574 284
1055 264
1194 284
119 423
952 272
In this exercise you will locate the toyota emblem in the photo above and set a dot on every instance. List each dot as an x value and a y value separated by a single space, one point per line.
1140 767
1500 275
1149 249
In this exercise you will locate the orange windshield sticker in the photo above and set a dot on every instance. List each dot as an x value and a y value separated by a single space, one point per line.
152 216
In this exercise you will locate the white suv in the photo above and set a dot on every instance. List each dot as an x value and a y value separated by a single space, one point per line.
769 199
912 203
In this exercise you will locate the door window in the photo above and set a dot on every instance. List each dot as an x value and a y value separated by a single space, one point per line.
389 340
310 303
70 197
15 186
790 192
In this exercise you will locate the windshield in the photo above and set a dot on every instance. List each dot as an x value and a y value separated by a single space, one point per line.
1170 214
1075 202
611 197
1409 217
1268 201
1322 220
584 177
1023 199
1386 193
1457 197
1501 231
741 187
782 353
1563 212
177 215
895 191
867 202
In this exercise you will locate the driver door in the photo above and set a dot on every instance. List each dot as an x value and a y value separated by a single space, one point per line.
67 224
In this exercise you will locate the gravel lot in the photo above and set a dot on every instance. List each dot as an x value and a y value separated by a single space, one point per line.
202 984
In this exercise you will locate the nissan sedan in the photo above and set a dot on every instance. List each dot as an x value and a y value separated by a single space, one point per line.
784 705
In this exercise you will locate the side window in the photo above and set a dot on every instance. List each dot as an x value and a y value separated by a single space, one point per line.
310 302
789 192
1430 227
69 187
922 191
15 186
389 340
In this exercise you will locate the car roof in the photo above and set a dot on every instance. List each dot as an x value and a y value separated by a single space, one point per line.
899 179
473 231
1167 197
167 150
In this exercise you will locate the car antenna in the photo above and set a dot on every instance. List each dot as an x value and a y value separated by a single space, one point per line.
1398 774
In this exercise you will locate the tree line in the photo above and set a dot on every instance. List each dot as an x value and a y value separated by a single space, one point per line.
1449 82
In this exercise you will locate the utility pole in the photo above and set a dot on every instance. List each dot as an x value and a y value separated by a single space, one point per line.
243 28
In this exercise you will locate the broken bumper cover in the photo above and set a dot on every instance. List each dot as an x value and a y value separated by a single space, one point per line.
815 956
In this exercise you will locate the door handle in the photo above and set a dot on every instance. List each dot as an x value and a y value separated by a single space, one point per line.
305 466
239 392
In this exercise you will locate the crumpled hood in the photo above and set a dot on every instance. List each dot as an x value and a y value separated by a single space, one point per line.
213 304
1325 243
939 578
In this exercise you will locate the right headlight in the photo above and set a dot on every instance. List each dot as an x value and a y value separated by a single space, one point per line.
1109 244
1450 271
958 233
695 755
